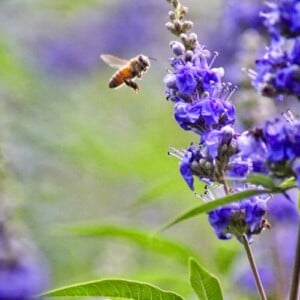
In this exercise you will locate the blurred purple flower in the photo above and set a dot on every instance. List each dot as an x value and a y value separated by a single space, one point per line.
23 273
236 18
276 258
246 281
278 72
282 18
124 30
282 209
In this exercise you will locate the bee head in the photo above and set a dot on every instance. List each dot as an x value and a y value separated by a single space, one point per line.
144 60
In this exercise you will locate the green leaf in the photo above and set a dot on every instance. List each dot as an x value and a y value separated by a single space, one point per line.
260 179
144 239
288 184
267 182
116 288
155 191
205 285
200 209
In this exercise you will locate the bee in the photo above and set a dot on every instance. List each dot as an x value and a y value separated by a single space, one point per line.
128 70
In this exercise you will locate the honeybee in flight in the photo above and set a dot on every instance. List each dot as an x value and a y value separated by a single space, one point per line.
128 70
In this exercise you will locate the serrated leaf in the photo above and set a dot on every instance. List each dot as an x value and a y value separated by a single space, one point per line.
200 209
144 239
205 285
115 288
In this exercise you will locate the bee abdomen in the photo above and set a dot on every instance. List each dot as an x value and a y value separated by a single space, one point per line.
118 78
112 83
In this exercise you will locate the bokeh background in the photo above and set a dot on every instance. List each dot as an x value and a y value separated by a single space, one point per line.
75 151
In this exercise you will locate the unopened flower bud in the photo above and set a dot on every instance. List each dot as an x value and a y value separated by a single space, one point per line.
172 15
170 80
178 26
189 55
183 38
208 165
187 25
177 48
184 10
170 26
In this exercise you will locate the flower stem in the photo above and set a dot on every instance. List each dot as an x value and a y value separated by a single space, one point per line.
251 260
296 271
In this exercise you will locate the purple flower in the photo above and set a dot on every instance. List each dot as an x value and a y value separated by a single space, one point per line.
207 160
278 72
217 139
23 273
219 219
186 79
253 151
238 218
200 99
239 168
185 167
283 210
21 278
247 283
204 115
282 18
296 169
276 139
273 149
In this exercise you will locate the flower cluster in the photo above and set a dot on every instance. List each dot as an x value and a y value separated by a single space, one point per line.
274 149
201 100
239 218
208 161
283 18
278 71
201 104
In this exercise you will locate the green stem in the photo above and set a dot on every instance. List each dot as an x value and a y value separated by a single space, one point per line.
296 271
251 260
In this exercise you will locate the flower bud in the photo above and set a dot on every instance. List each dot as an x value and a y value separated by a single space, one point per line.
172 16
177 48
187 25
170 26
170 81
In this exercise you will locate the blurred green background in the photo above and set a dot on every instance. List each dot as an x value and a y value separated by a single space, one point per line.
77 152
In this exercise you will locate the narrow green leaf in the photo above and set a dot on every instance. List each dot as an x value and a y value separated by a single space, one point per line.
203 208
144 239
205 285
116 288
288 184
260 179
155 191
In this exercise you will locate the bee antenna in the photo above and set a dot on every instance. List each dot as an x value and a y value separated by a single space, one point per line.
152 58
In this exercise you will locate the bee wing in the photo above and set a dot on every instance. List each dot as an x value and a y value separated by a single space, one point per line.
113 61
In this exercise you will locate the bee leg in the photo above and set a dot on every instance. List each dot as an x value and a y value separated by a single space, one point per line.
132 84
